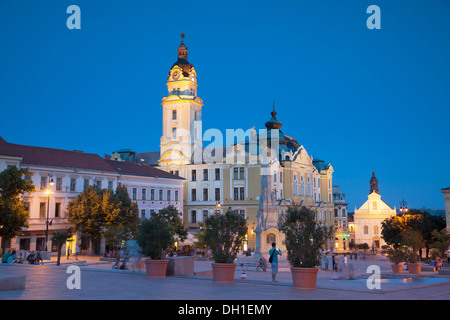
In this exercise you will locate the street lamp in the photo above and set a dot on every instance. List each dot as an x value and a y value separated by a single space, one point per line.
48 193
217 211
403 207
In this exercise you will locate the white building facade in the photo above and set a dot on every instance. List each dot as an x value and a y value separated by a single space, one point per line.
61 175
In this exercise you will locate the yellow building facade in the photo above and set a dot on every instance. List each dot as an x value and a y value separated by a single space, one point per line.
211 178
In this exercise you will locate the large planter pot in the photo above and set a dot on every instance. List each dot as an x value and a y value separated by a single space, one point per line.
304 278
156 268
396 268
223 272
415 268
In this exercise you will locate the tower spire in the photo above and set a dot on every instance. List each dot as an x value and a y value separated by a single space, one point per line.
182 49
374 184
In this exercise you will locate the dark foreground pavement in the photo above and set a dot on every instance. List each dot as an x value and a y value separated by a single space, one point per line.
50 282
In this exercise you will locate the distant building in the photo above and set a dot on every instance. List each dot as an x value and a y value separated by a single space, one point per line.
446 192
368 217
70 172
342 234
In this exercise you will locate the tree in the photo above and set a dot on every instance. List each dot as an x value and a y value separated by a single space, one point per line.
173 217
13 213
154 235
414 241
395 227
100 213
59 238
304 237
442 241
223 233
86 213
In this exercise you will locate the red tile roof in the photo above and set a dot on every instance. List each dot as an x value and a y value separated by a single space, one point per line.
79 160
140 169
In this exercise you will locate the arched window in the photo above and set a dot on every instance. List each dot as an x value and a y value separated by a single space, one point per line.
366 230
309 187
302 186
295 185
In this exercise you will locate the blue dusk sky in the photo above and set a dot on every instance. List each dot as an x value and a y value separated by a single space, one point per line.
359 99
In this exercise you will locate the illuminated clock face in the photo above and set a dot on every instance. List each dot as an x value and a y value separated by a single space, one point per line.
176 75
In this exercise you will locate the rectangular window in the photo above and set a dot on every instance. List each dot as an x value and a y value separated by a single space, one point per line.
281 176
205 215
176 195
98 183
193 195
144 194
42 210
217 173
24 244
275 177
58 210
217 194
236 194
236 173
205 174
241 194
110 185
161 195
174 114
194 216
152 194
58 184
174 133
241 173
134 194
86 183
169 195
73 184
205 194
43 183
194 175
142 213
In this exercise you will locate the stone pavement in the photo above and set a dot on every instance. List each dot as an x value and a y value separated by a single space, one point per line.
99 281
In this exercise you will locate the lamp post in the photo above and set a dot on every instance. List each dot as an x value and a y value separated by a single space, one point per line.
49 193
217 210
404 209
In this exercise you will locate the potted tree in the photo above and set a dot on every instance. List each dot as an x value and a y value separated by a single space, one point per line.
223 234
396 257
304 240
154 236
414 241
59 238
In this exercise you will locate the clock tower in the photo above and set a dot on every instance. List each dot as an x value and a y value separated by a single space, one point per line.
182 114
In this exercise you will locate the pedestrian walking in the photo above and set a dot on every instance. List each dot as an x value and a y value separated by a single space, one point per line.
68 253
333 261
274 253
77 251
325 260
345 263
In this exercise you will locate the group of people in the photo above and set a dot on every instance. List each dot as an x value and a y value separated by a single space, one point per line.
32 257
335 262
